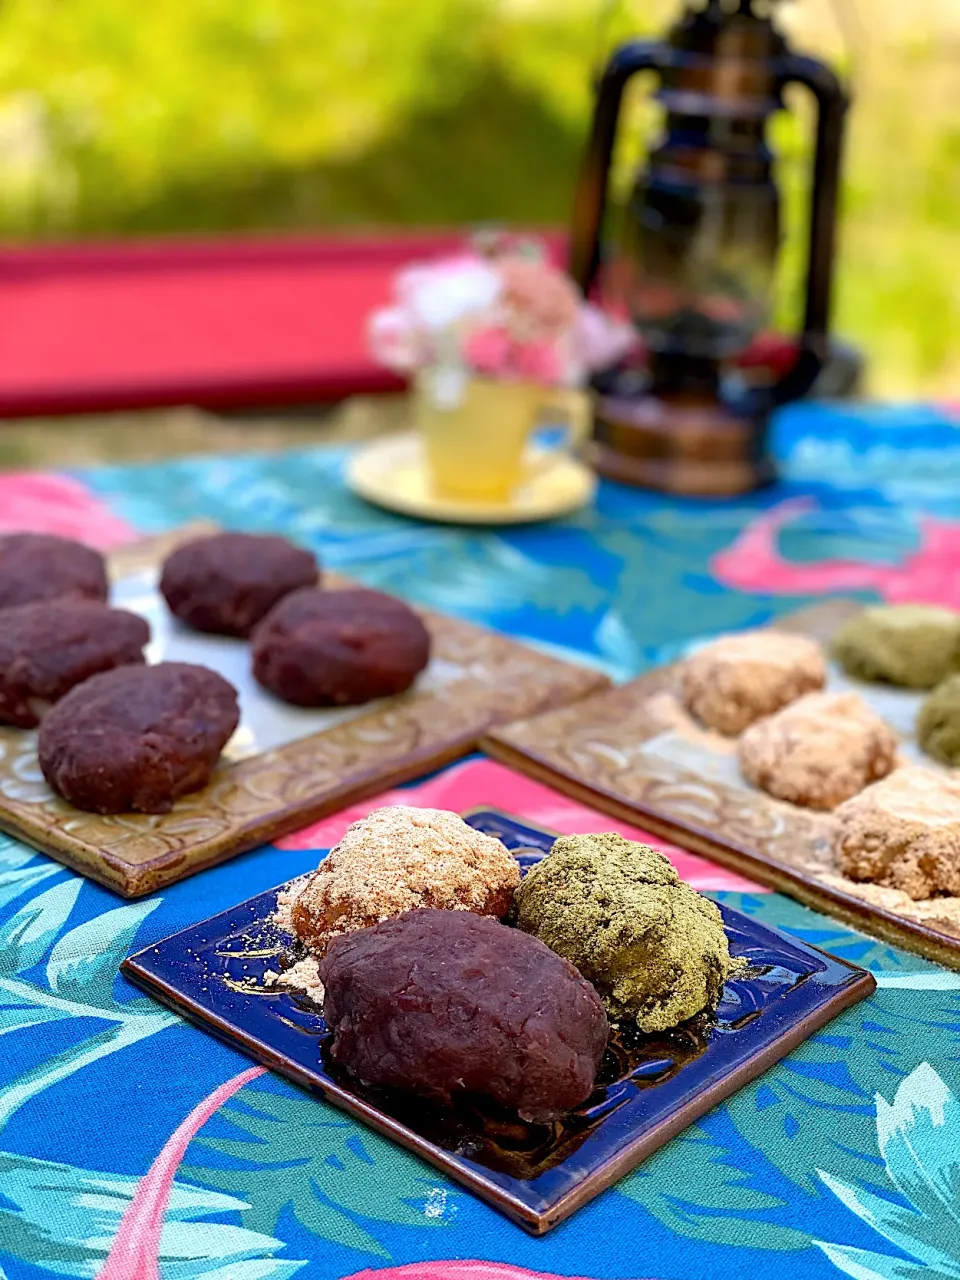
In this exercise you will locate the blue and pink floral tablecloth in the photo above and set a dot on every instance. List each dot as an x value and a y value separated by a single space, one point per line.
133 1147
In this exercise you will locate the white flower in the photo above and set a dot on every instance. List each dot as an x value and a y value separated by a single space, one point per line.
439 295
392 339
433 302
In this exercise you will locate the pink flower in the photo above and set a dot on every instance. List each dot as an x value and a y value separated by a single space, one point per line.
503 314
600 340
434 301
488 351
538 298
538 362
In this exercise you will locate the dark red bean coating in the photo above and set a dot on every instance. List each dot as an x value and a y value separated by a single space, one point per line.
226 583
138 738
48 647
339 648
40 566
448 1003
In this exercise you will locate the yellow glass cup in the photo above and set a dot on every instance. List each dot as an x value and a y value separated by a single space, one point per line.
476 448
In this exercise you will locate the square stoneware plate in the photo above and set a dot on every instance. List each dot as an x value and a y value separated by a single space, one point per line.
285 766
635 753
650 1089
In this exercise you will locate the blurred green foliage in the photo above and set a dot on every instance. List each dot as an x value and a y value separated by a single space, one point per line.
210 115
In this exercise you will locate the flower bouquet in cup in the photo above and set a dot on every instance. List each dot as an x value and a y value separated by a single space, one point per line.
492 337
501 311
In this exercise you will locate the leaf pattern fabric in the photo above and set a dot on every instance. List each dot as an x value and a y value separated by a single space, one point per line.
918 1134
842 1160
341 1173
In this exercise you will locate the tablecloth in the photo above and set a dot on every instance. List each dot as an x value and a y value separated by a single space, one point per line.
133 1145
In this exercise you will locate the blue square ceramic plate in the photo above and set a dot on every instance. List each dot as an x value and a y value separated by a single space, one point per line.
649 1088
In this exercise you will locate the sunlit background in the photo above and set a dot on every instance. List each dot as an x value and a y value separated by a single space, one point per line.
119 118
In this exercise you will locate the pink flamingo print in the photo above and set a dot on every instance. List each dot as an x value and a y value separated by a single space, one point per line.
36 503
930 575
135 1252
136 1249
136 1246
456 1269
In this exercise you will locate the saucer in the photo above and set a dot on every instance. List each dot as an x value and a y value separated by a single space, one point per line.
392 473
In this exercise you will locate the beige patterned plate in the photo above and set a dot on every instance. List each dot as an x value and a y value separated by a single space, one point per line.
635 753
284 767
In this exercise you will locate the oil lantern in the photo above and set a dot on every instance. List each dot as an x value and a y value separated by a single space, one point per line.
697 252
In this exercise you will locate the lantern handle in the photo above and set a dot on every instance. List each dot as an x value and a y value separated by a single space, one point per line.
591 190
832 103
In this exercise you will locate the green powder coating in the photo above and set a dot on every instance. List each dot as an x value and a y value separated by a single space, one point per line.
912 645
938 723
651 945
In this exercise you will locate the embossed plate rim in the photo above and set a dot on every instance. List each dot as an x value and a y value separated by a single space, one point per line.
264 796
820 621
840 984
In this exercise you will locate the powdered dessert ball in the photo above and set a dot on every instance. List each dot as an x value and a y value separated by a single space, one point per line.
447 1004
903 833
138 738
49 647
650 944
339 648
227 583
819 751
938 723
738 679
913 645
40 566
398 859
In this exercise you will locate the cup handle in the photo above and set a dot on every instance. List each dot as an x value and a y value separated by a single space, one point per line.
574 405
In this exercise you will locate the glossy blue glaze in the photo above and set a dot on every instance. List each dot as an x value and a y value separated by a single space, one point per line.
214 972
